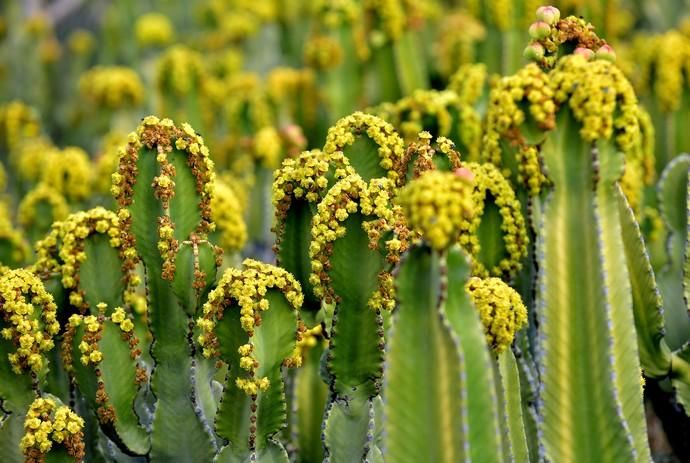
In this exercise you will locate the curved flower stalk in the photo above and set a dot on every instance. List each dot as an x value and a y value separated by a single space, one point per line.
52 432
596 124
163 187
355 219
444 394
251 322
28 322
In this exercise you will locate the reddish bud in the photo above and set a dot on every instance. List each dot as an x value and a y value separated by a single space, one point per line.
539 30
606 52
586 52
549 14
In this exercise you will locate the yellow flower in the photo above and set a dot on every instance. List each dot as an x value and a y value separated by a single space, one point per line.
500 308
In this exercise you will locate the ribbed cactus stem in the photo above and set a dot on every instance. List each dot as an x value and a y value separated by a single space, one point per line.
163 187
587 271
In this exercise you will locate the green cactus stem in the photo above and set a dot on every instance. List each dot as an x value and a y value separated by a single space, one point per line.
165 174
587 272
251 322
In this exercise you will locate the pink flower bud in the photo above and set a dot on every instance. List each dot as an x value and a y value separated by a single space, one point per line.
539 30
549 14
464 173
606 52
586 52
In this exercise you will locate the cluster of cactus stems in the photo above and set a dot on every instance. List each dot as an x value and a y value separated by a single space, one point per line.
474 267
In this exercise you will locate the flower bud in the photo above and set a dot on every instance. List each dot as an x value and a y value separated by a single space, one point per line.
539 30
534 52
606 52
549 14
586 52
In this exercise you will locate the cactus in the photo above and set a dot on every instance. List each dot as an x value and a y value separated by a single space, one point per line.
474 259
583 160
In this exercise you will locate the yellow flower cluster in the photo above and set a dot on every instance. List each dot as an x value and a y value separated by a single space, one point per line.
600 97
29 158
469 82
30 210
18 122
346 130
3 177
305 177
351 195
310 338
112 87
268 147
158 137
249 102
390 15
89 345
71 236
284 83
19 248
529 88
153 30
661 65
227 213
436 204
46 424
28 318
420 154
322 53
247 289
455 47
180 71
68 171
489 183
500 308
81 42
